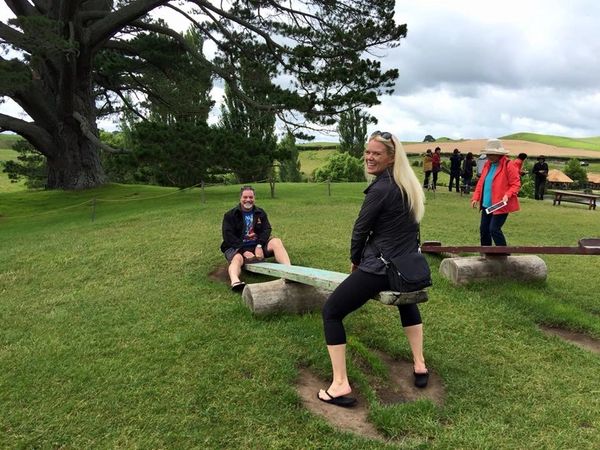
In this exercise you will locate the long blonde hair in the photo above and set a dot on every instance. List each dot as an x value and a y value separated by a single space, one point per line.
404 176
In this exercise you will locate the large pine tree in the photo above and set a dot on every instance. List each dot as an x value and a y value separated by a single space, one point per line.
317 48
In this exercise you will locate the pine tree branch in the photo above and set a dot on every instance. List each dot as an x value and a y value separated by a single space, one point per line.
36 135
87 132
110 25
21 8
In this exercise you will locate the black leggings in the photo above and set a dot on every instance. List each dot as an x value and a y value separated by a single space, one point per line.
350 295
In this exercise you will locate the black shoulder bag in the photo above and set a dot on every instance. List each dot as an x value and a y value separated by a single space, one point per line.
407 273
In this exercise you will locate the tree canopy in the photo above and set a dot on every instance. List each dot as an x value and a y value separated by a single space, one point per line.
59 68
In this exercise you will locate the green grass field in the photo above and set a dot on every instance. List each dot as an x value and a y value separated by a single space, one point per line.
112 335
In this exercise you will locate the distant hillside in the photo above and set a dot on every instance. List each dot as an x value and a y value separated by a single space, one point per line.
318 146
589 143
7 140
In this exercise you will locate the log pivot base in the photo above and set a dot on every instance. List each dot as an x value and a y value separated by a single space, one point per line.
279 296
478 268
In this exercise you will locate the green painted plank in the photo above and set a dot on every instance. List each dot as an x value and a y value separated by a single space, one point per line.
325 279
329 280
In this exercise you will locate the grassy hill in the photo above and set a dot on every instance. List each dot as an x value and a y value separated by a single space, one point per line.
312 159
589 143
7 140
113 335
6 154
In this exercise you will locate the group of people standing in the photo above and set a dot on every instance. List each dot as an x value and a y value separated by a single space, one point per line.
461 168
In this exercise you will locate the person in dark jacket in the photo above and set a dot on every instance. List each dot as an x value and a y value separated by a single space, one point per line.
455 162
467 172
436 166
540 172
388 224
247 237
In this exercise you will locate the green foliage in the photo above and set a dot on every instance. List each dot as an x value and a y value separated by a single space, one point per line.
253 147
429 138
177 86
122 167
289 164
30 165
352 129
181 154
341 167
576 172
527 187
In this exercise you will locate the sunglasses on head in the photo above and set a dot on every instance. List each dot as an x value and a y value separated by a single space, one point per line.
385 135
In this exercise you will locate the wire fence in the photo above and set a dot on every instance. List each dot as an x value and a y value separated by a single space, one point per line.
93 202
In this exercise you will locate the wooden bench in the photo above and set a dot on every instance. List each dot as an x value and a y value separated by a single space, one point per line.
305 289
575 197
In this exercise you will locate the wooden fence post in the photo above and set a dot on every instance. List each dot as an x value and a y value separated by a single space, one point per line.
93 209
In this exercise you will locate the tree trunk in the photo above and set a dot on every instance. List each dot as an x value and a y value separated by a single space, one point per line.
77 162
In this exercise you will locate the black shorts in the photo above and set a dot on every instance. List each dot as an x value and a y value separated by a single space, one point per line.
231 252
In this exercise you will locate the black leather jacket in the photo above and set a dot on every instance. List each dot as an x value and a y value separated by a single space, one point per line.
233 227
384 223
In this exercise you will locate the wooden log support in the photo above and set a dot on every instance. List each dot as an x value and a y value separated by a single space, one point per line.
280 296
477 268
306 290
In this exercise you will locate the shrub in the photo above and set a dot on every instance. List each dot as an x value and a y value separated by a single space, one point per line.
30 165
527 188
577 173
341 167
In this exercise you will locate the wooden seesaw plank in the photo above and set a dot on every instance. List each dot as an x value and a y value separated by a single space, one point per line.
329 280
587 246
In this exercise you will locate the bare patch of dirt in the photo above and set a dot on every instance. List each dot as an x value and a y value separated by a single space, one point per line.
352 419
579 339
219 274
533 149
398 388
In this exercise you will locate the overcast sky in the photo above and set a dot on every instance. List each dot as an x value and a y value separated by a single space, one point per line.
481 69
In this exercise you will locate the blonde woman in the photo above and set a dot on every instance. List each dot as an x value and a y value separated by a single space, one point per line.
388 222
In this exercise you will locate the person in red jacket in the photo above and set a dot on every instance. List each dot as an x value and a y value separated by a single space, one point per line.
519 161
499 182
